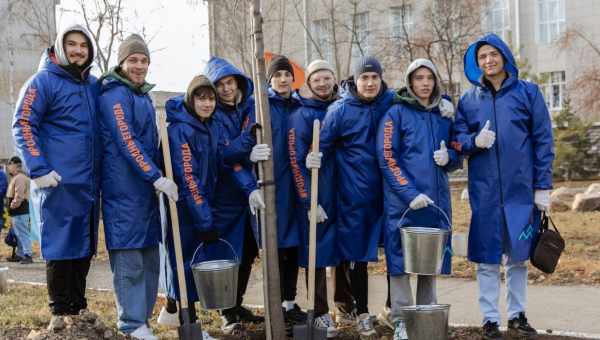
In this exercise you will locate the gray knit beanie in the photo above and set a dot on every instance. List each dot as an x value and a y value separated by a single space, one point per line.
131 45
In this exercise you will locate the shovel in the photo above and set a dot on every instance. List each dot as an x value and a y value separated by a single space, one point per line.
187 330
309 331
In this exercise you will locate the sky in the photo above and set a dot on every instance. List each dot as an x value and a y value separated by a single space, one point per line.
179 49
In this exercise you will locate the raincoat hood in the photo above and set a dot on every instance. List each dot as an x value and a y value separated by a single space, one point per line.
59 48
219 68
436 95
471 66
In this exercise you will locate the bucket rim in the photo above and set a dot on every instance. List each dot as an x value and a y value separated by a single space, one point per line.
424 230
426 308
198 266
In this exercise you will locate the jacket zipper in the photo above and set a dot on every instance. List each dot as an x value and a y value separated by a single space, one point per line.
437 192
497 147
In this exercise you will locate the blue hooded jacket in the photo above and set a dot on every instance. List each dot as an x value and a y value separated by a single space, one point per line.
300 134
408 135
287 215
349 133
55 128
196 161
236 181
131 164
502 179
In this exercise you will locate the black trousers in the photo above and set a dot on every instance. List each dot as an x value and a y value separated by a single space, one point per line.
66 285
249 254
321 306
288 273
342 293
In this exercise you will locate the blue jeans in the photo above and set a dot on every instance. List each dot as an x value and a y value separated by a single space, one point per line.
135 280
488 277
22 230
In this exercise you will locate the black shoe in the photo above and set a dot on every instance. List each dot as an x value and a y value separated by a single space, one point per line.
295 315
246 315
520 327
26 260
491 331
15 258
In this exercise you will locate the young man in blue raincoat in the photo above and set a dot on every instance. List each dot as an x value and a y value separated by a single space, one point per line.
280 76
55 130
504 127
348 138
413 154
130 178
315 97
196 160
238 192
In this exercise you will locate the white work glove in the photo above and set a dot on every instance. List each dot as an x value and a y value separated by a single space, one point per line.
542 200
321 214
420 202
50 179
486 138
260 152
167 186
441 156
447 108
256 201
313 160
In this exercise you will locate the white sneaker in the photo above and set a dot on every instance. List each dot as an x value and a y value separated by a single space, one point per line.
325 321
206 336
168 319
143 333
364 325
400 331
384 318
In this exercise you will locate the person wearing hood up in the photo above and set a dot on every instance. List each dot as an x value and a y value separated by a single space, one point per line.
282 103
55 130
315 97
504 127
348 137
414 156
238 196
131 178
196 158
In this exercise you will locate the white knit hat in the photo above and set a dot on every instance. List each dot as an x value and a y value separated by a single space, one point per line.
318 65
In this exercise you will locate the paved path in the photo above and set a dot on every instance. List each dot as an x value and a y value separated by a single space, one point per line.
565 308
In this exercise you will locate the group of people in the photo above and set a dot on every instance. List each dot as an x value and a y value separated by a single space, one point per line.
89 143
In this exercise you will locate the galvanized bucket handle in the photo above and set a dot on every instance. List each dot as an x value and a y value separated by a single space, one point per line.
430 205
236 258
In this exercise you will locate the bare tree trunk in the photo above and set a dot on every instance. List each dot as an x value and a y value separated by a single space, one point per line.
274 326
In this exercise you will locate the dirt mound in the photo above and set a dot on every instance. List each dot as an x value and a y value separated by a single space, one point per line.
86 325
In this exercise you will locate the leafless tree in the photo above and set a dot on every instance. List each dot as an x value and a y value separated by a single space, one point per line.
584 90
38 16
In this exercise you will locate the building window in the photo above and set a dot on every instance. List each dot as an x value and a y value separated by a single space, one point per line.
497 19
360 36
401 18
322 36
551 20
555 89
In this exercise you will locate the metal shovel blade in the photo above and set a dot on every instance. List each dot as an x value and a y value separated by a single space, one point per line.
189 330
309 331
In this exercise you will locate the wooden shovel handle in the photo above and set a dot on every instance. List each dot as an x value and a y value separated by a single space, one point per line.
312 233
164 139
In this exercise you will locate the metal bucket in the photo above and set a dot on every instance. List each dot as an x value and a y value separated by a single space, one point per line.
423 248
426 322
216 281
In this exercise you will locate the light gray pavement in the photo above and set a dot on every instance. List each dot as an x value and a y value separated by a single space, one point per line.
560 308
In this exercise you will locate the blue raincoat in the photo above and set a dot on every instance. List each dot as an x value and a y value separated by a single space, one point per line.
407 137
288 234
196 161
131 164
55 127
231 212
502 179
300 136
348 133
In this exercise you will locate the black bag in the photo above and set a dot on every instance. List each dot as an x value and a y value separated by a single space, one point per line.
548 247
11 238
